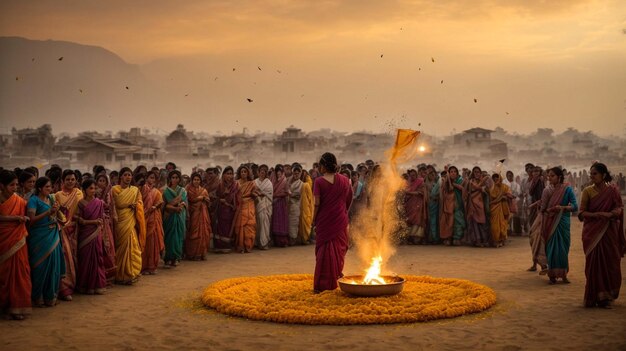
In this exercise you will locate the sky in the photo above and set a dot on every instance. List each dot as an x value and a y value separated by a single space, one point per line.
359 65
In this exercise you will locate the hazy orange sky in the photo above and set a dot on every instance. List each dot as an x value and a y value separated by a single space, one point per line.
528 63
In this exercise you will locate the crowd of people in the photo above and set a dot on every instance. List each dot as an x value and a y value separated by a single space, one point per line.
68 231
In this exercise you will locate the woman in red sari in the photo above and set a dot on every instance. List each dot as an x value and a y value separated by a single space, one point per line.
245 219
602 211
333 197
15 284
199 232
153 202
416 209
104 193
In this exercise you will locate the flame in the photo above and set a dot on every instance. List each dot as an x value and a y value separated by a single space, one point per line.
372 276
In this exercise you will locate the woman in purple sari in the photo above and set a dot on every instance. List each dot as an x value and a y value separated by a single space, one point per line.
280 214
602 211
227 194
90 271
333 197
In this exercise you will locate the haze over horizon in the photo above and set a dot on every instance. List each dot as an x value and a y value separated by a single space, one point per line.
345 65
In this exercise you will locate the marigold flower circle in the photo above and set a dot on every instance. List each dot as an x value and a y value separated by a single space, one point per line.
290 299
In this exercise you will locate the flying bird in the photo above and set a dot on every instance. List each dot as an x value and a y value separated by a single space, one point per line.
419 69
507 113
419 124
61 58
381 55
17 78
215 78
186 94
442 81
432 59
475 100
33 59
259 67
81 90
127 88
234 69
249 100
278 71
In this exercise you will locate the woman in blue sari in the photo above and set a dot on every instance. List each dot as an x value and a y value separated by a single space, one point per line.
47 263
174 218
557 202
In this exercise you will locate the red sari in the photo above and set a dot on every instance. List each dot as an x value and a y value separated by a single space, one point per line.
199 232
604 245
415 205
15 284
151 254
331 228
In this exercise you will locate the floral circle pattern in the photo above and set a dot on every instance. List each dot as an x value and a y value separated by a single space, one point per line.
290 299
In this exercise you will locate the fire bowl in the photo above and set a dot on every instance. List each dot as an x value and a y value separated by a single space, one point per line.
351 285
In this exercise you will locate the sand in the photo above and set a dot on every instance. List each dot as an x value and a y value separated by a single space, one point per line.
163 311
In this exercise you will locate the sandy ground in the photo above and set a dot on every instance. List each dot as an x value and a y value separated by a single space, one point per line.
163 312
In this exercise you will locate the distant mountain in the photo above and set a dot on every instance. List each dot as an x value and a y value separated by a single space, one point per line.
68 84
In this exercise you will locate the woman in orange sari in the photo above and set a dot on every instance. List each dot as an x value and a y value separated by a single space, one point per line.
245 217
499 212
130 229
152 202
199 233
15 284
602 211
68 199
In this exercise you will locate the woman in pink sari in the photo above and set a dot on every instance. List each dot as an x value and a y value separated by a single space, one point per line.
103 193
602 211
415 207
68 198
90 274
199 230
280 212
153 202
333 197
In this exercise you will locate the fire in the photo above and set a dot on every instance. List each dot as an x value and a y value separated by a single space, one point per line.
372 276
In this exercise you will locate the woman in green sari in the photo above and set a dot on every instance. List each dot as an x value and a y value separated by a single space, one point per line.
174 218
557 202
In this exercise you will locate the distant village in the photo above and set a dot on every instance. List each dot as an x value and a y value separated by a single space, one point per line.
188 148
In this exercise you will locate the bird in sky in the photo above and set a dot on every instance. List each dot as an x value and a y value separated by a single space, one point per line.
249 100
475 100
61 58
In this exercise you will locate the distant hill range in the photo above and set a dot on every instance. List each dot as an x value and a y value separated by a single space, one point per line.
64 83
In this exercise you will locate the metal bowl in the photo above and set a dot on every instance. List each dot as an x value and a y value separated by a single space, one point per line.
393 286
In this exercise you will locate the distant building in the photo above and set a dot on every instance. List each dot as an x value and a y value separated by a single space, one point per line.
477 143
179 142
33 142
91 150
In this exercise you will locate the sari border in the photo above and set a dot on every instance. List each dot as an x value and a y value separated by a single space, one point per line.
597 239
90 238
44 256
13 250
